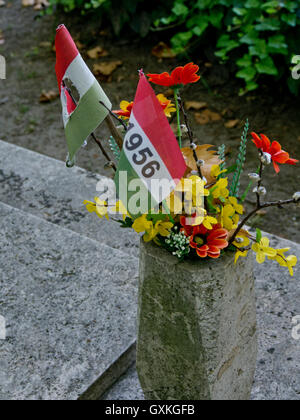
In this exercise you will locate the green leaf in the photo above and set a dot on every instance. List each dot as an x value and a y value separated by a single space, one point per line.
250 38
252 85
267 66
180 9
290 19
247 73
251 4
200 29
259 49
270 24
277 45
245 61
239 11
258 235
216 17
181 40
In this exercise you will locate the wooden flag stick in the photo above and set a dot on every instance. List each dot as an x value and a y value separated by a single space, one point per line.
114 131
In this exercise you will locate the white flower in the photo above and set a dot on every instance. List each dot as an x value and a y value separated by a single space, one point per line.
266 158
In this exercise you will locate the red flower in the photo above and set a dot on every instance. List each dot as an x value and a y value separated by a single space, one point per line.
207 243
180 76
274 149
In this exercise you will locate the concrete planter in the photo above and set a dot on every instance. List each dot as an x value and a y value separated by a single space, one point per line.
197 336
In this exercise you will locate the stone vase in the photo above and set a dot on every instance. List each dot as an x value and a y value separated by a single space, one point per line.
197 331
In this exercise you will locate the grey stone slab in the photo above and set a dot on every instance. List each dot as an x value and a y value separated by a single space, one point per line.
70 308
278 364
46 188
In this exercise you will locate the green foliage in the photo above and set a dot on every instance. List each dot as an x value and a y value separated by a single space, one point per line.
115 148
136 14
259 36
235 186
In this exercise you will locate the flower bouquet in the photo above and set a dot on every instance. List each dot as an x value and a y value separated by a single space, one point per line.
197 333
203 215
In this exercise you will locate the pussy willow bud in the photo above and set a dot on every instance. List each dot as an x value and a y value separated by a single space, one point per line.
266 158
193 146
194 173
239 240
254 177
200 162
260 190
205 180
296 197
184 129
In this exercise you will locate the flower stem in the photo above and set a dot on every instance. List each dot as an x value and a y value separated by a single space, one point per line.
178 117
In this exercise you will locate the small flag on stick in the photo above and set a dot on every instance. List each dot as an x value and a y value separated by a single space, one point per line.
150 157
81 117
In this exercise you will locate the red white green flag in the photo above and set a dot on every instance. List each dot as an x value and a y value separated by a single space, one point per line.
151 159
83 116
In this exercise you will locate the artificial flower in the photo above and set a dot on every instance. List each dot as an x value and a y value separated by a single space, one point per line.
126 107
235 204
163 228
119 208
239 254
167 105
99 207
285 261
263 250
179 77
216 171
242 240
209 221
141 224
274 150
228 217
220 190
207 243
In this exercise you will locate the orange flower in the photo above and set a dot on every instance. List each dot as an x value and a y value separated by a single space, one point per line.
180 76
125 111
274 149
207 243
126 107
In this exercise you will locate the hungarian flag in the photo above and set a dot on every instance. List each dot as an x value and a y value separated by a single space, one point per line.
151 163
81 114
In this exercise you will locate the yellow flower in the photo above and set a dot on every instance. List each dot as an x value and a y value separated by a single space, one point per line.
228 218
141 224
284 261
263 250
216 171
209 221
163 228
240 254
242 240
167 105
99 207
219 190
191 190
119 208
290 262
235 204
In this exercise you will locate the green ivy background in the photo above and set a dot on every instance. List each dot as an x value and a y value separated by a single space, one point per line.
260 37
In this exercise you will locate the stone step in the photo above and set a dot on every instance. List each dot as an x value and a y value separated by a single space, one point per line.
69 304
44 187
278 303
